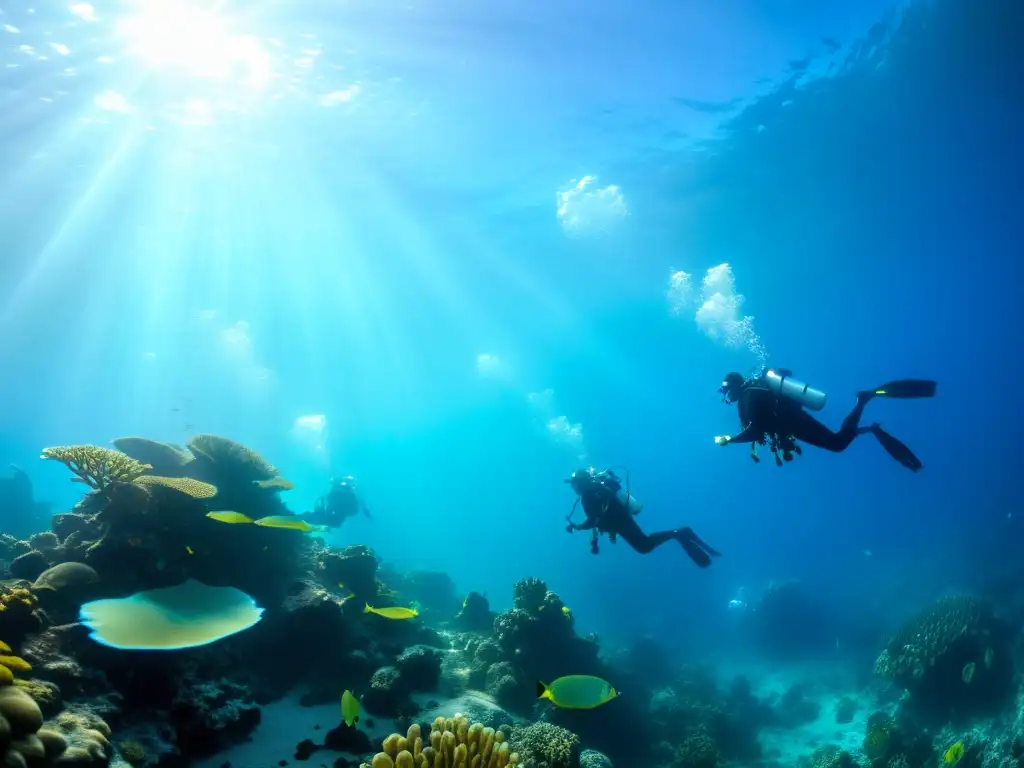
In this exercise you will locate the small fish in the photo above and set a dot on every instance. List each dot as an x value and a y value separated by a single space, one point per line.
577 692
288 524
954 754
566 612
340 585
189 550
394 612
349 709
229 517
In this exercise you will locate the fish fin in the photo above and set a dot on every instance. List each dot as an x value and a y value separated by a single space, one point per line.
367 609
542 691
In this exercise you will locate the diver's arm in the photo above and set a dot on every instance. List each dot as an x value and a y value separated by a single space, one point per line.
748 435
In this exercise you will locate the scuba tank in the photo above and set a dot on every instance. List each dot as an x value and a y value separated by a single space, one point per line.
781 382
611 481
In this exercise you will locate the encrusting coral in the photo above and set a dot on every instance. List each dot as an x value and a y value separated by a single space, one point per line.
452 743
194 488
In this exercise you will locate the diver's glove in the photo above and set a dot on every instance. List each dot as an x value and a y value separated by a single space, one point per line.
723 439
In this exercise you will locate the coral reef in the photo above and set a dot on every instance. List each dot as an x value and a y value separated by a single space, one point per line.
953 657
452 741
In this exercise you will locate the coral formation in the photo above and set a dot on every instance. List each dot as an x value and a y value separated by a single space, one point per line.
932 653
96 467
452 741
544 745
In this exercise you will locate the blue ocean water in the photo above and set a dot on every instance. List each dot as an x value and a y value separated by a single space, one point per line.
431 245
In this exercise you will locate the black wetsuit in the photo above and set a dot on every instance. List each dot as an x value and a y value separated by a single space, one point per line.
340 503
765 414
606 514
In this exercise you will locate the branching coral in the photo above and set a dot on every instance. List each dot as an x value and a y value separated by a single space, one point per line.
186 485
95 466
452 743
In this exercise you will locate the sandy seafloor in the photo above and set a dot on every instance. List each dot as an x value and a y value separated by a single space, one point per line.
285 723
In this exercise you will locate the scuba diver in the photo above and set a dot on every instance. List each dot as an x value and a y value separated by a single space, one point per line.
340 503
771 410
610 509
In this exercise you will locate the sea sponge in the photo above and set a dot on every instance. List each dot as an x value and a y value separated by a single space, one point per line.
186 485
244 461
95 466
452 743
68 575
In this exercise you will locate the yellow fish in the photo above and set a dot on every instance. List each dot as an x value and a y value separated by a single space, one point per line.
288 523
349 709
229 517
189 550
577 692
566 612
954 754
393 612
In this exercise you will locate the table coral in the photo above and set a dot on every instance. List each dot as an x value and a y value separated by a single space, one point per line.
96 467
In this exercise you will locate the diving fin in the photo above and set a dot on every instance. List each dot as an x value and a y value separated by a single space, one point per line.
906 389
697 549
896 449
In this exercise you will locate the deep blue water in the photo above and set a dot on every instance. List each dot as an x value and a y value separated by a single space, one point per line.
192 254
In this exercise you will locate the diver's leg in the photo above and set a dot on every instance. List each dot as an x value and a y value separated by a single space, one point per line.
808 429
644 543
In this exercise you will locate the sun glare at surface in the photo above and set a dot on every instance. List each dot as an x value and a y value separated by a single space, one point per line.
172 35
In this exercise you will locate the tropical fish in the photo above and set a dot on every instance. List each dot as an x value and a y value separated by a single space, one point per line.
954 754
566 612
394 612
189 550
577 692
349 709
229 517
288 523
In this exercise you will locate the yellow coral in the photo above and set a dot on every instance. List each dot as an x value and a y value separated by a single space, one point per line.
194 488
6 676
15 664
453 743
277 483
95 466
221 450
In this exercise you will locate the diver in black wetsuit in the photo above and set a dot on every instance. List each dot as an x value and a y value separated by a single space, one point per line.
771 410
610 509
340 503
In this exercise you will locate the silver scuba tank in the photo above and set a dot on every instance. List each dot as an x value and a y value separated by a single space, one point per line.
621 494
782 384
630 502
